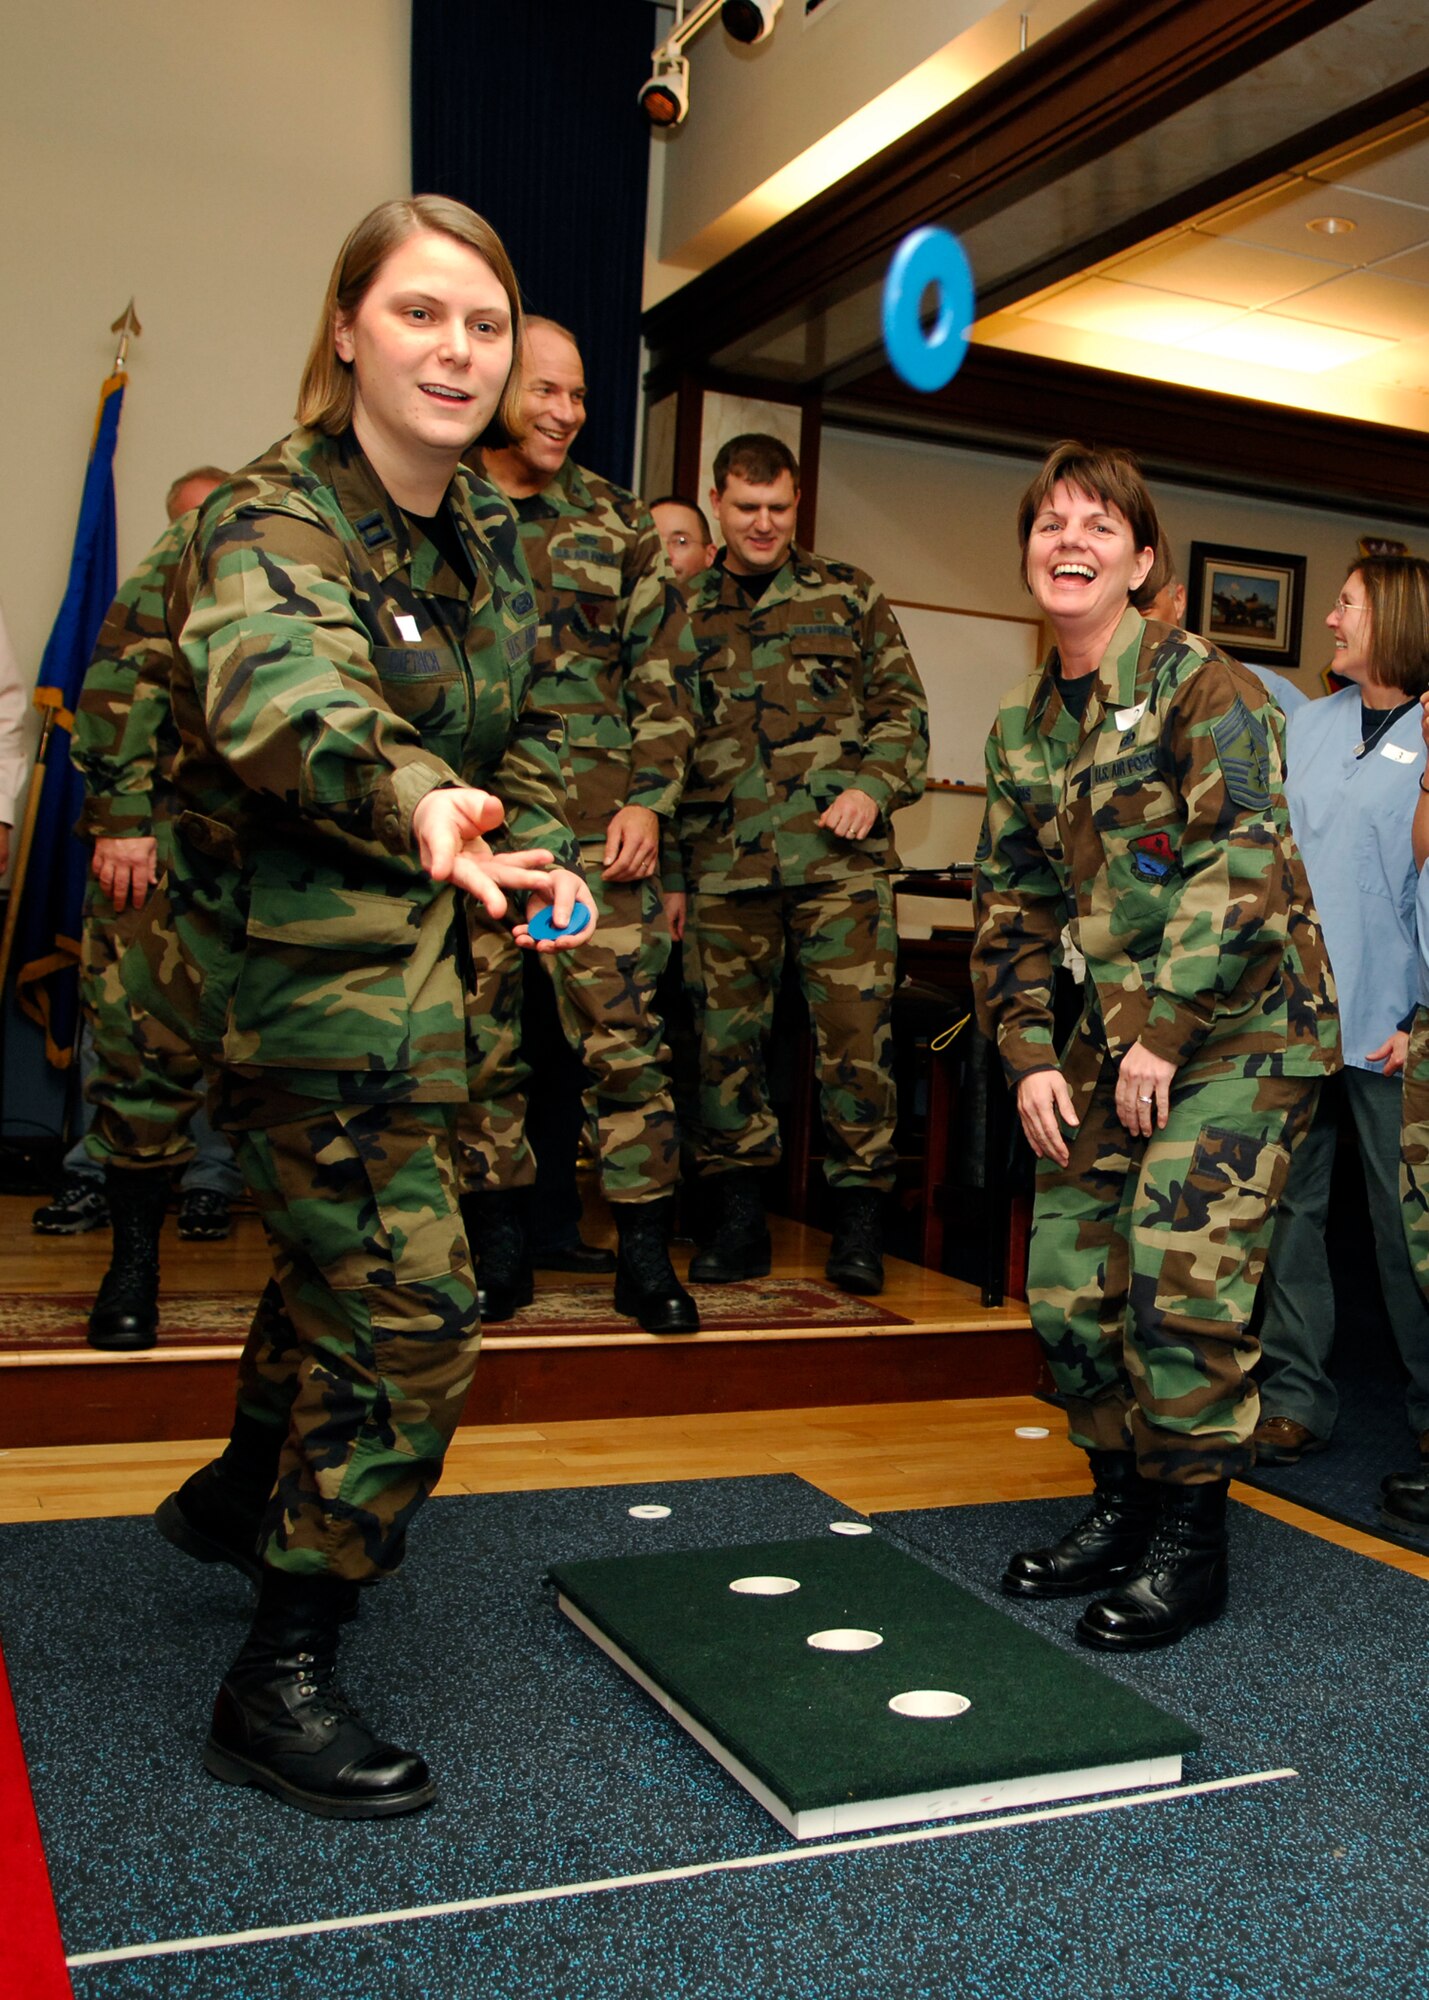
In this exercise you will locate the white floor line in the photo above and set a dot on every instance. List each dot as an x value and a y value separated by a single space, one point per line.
1077 1810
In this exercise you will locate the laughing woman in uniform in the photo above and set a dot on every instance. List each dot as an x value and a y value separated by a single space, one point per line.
1355 761
356 626
1134 794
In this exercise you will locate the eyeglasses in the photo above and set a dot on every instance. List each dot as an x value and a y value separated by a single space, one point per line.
1342 605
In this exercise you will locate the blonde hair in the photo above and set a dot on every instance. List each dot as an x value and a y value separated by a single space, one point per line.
325 396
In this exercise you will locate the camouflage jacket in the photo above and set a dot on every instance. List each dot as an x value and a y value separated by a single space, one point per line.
331 671
1156 829
124 739
803 693
614 658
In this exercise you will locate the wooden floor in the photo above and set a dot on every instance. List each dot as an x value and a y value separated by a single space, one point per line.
870 1457
56 1264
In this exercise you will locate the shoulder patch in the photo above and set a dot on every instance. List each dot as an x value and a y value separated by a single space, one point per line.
1242 747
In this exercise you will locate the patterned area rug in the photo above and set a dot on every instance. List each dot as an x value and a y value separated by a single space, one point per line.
34 1324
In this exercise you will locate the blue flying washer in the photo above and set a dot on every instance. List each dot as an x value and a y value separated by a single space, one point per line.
928 357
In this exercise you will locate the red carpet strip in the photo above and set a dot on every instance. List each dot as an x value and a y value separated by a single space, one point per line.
32 1961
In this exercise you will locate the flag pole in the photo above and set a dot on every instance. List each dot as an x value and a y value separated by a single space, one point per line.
128 328
27 841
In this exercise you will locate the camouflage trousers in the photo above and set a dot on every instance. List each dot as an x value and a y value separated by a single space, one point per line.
845 947
363 1345
147 1085
605 995
1145 1259
1414 1150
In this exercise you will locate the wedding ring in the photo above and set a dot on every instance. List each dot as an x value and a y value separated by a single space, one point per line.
1149 1100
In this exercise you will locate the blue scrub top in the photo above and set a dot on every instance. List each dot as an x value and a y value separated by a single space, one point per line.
1352 817
1286 692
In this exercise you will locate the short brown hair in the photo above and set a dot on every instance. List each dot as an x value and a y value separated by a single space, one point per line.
1104 473
533 320
1161 576
754 456
679 500
325 396
214 474
1397 591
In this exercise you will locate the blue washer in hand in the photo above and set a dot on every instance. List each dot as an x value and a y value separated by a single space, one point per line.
928 359
543 926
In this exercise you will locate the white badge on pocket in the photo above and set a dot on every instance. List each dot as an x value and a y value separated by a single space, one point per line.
1397 754
1127 718
408 628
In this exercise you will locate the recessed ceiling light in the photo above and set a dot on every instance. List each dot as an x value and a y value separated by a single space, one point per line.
1331 225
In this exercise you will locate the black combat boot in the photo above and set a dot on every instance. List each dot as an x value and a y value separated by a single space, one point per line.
1105 1547
740 1246
126 1312
856 1253
646 1287
1182 1581
280 1723
499 1234
1404 1503
217 1514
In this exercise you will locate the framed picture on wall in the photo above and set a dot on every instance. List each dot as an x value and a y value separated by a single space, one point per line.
1249 602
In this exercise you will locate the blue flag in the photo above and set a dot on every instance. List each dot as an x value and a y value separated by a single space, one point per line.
47 935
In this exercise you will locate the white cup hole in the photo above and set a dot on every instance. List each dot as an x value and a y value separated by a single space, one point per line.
845 1639
649 1512
764 1586
849 1528
930 1704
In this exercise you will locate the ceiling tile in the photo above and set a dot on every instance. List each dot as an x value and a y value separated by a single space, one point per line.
1276 342
1098 305
1278 221
1367 302
1397 167
1218 267
1404 365
1413 265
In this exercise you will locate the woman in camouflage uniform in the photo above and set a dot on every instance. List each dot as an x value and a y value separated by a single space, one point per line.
1134 795
356 624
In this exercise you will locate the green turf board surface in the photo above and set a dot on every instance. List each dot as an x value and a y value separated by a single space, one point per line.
815 1727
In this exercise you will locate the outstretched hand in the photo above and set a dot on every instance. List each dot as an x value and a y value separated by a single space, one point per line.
449 825
562 888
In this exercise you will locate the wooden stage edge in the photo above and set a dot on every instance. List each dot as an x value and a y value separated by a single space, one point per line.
152 1397
951 1346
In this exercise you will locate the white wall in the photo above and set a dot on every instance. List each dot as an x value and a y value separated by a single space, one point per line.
937 525
209 160
826 91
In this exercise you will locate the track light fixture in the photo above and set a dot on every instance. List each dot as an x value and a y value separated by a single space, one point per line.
749 20
665 96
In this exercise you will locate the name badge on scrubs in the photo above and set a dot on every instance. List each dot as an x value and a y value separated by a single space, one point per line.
1397 754
1127 718
408 628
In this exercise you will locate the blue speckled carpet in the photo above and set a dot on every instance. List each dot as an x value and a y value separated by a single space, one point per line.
557 1771
1372 1437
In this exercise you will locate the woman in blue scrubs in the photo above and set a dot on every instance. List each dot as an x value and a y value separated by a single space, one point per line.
1354 762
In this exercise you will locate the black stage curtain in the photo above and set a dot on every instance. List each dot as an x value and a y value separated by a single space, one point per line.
527 113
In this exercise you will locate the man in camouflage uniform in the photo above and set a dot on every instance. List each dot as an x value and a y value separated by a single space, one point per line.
125 745
812 730
614 661
1155 827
